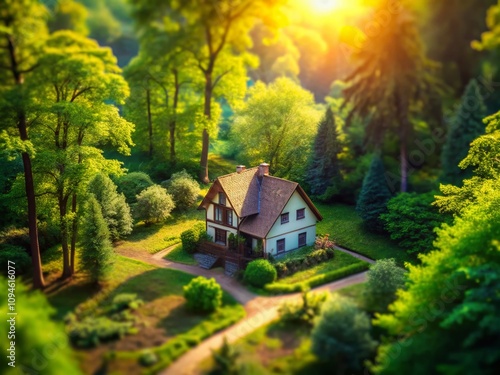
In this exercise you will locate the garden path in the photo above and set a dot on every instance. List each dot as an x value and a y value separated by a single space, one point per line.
260 310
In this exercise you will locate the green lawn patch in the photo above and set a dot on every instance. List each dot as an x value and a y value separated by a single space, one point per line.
180 256
346 229
157 237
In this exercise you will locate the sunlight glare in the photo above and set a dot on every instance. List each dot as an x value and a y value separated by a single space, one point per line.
326 5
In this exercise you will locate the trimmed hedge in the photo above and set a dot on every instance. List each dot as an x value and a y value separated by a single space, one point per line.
203 295
192 238
282 288
291 266
259 273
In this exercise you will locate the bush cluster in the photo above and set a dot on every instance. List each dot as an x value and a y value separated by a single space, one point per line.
259 273
191 238
203 295
282 288
92 331
324 242
183 188
153 204
291 266
132 184
305 311
125 301
16 254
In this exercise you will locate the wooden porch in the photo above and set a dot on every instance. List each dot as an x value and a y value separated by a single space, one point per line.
240 256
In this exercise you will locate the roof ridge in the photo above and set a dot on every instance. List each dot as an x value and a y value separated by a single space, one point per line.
239 173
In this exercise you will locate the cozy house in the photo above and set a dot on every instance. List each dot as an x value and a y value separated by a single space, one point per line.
268 215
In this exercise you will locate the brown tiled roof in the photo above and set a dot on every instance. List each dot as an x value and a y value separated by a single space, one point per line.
259 200
275 194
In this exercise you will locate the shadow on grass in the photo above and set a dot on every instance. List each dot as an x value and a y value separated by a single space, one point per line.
141 231
65 298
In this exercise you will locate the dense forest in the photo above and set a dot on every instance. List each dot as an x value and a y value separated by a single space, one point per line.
117 115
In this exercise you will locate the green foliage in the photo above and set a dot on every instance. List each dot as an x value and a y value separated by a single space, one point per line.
235 240
92 331
277 124
225 358
38 338
203 295
288 267
448 316
191 238
324 170
341 335
16 254
411 219
148 358
69 15
184 190
260 272
154 204
305 311
312 282
132 184
375 194
97 252
384 279
115 210
125 301
465 128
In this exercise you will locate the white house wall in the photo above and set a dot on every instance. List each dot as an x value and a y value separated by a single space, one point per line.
290 231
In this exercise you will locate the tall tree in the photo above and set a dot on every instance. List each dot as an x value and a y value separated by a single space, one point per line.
22 32
324 170
97 251
391 76
466 126
375 194
76 84
213 32
277 125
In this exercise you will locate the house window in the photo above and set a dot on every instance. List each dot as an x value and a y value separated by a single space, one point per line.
218 214
285 218
302 239
222 199
301 213
220 236
229 217
280 244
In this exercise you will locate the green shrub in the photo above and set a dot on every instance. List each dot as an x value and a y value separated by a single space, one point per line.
281 269
92 331
259 273
148 358
16 254
225 358
203 295
384 279
125 301
290 266
305 311
183 188
132 184
282 288
411 219
153 205
341 335
191 238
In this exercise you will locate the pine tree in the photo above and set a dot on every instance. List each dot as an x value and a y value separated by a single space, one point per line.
97 251
375 194
115 210
466 126
324 172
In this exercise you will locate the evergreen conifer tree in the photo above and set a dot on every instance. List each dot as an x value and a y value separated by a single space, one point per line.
375 194
324 171
97 251
466 126
115 210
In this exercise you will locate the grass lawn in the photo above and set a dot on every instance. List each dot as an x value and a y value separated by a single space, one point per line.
180 256
162 319
157 237
339 261
346 229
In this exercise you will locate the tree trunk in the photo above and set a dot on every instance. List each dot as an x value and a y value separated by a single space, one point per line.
206 138
74 230
64 238
173 123
404 127
150 122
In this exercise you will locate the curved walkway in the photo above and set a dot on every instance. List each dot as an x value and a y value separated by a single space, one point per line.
260 310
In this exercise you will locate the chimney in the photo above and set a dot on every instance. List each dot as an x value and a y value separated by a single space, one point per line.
263 170
240 168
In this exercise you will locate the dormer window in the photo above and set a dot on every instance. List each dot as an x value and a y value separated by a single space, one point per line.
222 199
